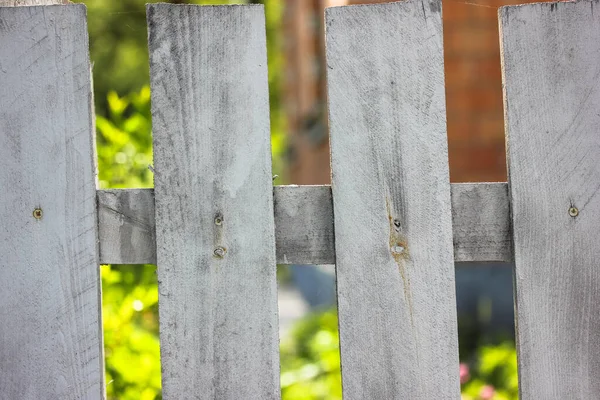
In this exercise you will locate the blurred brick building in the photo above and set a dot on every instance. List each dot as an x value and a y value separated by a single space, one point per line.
473 89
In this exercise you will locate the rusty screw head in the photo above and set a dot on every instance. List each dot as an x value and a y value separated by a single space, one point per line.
573 211
37 213
219 252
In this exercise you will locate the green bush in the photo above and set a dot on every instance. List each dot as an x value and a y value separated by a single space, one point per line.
130 294
310 365
493 374
124 141
310 360
130 310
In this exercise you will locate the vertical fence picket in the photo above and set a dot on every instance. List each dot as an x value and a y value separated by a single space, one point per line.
214 202
551 72
50 325
14 3
391 196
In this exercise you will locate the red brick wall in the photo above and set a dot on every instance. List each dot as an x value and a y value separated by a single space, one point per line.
473 89
304 91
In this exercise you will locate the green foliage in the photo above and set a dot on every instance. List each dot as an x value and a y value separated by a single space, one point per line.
310 365
310 360
118 44
119 53
130 318
494 372
124 141
130 293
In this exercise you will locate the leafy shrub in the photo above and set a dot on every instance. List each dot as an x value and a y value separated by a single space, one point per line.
493 374
129 292
310 360
124 141
130 310
310 365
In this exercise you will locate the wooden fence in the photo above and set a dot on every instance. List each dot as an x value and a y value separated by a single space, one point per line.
216 227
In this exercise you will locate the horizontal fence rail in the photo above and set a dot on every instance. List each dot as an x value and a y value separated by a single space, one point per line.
304 224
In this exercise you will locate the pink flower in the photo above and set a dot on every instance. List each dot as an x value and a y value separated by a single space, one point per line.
464 373
487 392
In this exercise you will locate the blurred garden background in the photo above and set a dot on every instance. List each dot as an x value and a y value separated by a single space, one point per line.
310 365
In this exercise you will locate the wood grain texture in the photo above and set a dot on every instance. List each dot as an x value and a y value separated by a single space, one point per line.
214 204
14 3
304 224
551 72
50 329
391 197
126 226
480 222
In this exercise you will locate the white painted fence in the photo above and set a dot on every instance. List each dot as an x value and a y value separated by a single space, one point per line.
217 228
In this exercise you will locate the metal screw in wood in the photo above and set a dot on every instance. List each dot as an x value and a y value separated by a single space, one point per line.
37 213
219 252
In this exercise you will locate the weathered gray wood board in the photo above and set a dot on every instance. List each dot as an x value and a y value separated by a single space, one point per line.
480 222
50 325
214 203
551 72
304 224
391 197
126 227
11 3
